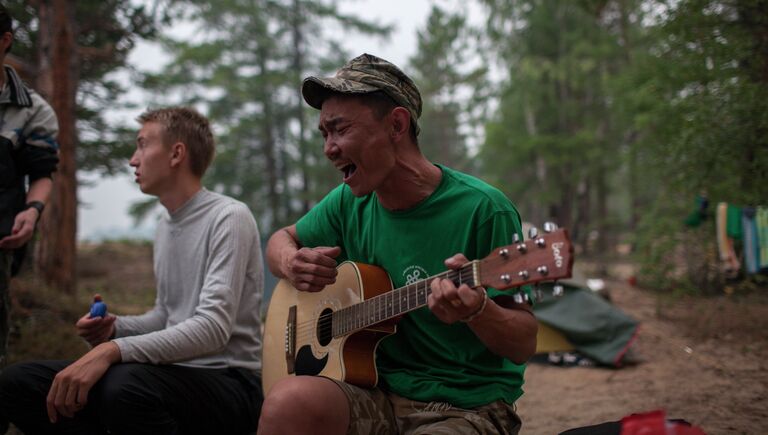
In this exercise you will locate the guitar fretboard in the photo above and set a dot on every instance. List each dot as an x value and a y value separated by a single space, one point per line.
396 302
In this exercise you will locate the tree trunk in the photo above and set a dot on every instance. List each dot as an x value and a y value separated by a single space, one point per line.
298 68
43 74
269 144
583 216
601 197
56 250
537 213
632 158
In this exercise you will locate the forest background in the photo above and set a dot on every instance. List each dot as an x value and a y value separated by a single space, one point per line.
613 118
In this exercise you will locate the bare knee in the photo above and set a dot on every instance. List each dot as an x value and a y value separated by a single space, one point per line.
304 404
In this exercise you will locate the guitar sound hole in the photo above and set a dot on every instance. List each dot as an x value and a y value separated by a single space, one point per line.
324 330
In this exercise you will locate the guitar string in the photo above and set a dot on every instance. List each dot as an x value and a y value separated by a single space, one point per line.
449 274
361 319
307 328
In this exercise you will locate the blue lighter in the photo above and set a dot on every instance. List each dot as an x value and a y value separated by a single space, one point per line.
98 308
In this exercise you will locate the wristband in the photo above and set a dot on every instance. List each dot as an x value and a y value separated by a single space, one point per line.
479 311
37 205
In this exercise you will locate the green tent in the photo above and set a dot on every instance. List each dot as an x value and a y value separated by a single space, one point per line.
587 322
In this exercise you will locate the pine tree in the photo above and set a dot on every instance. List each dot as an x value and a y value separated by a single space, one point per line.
70 48
553 143
247 79
448 86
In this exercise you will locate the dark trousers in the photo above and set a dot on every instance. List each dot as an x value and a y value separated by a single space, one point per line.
5 303
137 399
5 315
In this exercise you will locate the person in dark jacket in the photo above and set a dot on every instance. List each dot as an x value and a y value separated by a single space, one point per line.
28 157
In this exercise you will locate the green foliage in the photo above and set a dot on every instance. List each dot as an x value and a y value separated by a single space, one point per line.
107 32
614 115
707 76
610 115
448 88
699 102
658 255
247 80
555 141
142 208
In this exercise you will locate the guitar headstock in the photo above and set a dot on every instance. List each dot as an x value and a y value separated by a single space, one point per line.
543 257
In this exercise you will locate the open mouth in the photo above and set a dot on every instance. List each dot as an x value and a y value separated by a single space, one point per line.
348 171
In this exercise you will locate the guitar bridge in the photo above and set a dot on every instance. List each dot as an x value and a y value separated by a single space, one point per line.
290 340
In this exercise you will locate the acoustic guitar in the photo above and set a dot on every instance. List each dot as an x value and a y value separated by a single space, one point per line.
334 332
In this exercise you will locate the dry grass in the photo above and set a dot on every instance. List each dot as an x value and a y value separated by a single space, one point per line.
42 320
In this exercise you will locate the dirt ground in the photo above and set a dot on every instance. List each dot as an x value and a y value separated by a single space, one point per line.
703 360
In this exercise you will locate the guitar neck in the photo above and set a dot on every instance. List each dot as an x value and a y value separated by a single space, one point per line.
545 257
398 301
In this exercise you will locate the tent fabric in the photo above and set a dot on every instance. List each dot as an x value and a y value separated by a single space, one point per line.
595 328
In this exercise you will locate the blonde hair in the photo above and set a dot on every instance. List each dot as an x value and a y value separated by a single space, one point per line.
187 125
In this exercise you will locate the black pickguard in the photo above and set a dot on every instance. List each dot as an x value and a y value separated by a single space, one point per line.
307 364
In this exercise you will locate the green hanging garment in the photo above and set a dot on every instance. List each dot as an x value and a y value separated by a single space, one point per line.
761 222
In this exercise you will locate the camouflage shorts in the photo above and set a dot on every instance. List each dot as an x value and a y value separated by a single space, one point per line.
374 411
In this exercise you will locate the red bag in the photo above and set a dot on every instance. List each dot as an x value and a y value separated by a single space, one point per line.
656 423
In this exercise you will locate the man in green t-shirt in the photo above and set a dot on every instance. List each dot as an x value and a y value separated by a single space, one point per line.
454 366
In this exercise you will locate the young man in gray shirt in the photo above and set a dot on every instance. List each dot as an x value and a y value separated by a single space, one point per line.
191 364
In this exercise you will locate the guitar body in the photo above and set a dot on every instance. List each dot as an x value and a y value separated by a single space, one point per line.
297 338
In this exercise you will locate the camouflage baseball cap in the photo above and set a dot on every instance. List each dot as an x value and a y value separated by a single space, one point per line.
364 74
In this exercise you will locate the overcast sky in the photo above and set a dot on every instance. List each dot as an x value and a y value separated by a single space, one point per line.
104 206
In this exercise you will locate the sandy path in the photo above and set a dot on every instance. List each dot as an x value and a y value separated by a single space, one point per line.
715 380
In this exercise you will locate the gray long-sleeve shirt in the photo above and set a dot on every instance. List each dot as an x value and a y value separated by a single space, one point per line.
210 281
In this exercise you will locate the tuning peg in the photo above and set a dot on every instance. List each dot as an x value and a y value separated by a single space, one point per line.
518 298
515 238
558 290
533 232
537 293
550 227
